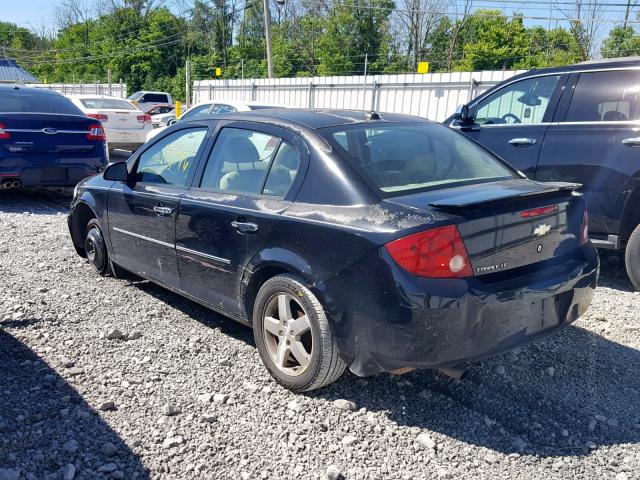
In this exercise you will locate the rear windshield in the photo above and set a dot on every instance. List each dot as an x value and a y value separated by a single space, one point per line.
37 102
400 158
107 103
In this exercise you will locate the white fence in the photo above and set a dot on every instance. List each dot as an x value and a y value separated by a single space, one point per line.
434 96
115 89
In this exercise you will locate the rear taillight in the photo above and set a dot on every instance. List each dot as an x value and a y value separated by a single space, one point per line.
144 118
435 253
99 116
536 212
4 135
584 228
96 133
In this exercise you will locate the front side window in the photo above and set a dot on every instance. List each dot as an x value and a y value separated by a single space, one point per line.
401 158
171 159
605 97
523 102
239 161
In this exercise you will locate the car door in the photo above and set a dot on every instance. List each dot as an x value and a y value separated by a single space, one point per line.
247 182
512 121
142 213
593 142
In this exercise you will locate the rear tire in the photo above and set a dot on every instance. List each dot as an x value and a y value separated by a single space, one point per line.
632 258
96 249
293 335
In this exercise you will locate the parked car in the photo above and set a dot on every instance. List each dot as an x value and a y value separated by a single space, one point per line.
45 140
381 243
126 127
146 101
161 116
213 107
576 124
161 109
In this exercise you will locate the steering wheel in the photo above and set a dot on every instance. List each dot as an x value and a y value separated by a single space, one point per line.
515 118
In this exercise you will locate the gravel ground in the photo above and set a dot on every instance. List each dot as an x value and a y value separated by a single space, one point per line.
104 378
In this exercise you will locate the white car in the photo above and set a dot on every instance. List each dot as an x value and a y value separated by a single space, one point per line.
146 101
126 127
214 107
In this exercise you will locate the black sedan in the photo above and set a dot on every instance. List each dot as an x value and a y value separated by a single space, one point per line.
46 140
345 239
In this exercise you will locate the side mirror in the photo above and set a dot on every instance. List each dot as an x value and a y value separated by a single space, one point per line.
463 116
173 121
116 172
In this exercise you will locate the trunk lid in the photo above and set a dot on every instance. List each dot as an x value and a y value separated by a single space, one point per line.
497 235
32 133
120 119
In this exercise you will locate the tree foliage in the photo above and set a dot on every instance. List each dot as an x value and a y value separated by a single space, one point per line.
145 44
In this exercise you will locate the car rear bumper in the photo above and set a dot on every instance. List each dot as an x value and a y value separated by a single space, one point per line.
126 139
50 170
395 320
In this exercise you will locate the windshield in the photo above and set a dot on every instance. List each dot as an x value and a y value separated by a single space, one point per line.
135 96
106 103
399 158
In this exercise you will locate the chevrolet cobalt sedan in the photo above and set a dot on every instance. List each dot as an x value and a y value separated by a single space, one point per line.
377 242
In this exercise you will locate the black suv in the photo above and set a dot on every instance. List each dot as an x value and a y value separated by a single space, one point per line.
581 124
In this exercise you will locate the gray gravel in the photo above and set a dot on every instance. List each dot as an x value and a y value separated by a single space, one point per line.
180 392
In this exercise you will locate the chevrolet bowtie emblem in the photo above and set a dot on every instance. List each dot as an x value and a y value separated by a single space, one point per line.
541 229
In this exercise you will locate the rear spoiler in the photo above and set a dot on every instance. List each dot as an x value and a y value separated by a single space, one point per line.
483 198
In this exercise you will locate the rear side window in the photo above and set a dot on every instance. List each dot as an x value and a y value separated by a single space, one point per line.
239 161
106 103
401 158
219 109
171 160
283 171
605 97
37 102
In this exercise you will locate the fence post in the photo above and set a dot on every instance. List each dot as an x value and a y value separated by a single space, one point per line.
254 87
472 88
311 94
375 100
210 92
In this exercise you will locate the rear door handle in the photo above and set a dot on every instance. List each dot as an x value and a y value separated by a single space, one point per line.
522 141
163 211
631 142
245 227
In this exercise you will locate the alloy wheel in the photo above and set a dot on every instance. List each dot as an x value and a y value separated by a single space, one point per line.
287 334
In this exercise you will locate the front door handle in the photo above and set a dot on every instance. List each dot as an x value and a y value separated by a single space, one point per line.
631 142
245 227
163 211
522 141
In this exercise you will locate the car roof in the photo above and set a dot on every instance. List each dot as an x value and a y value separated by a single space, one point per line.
87 95
19 88
598 64
313 118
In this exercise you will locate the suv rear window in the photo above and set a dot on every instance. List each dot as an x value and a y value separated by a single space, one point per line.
37 102
402 158
154 98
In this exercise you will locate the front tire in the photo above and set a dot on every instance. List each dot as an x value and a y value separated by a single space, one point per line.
293 335
632 258
95 248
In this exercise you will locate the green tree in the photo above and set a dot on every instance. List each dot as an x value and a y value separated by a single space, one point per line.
621 42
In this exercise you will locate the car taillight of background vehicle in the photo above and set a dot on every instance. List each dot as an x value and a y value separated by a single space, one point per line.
144 118
99 116
435 253
4 135
96 133
584 228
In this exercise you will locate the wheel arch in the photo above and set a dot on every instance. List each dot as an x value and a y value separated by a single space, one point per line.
631 211
82 213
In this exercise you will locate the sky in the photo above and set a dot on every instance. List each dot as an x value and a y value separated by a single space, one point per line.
30 13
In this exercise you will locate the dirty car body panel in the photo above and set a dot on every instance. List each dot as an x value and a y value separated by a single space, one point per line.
530 268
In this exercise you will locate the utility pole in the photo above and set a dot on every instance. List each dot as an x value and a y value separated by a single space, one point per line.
242 68
187 85
109 81
364 85
267 36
